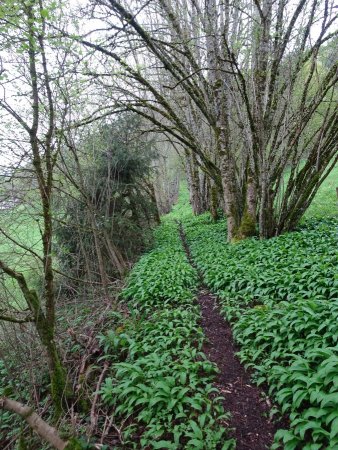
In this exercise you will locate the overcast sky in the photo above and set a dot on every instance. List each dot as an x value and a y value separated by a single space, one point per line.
7 156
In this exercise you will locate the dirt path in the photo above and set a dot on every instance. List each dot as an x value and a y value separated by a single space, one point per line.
249 410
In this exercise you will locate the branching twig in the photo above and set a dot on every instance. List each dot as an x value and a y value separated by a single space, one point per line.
93 416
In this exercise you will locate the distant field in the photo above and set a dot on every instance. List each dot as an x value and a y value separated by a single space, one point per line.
24 229
325 203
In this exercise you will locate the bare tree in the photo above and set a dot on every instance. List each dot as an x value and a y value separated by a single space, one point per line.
251 73
30 80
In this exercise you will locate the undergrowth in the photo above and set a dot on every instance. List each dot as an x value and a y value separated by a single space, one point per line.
160 385
163 276
281 296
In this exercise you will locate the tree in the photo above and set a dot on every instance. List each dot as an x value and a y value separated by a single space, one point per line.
238 69
108 202
27 73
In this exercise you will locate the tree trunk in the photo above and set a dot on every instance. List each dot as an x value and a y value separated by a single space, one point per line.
266 211
115 255
213 200
96 236
229 194
194 184
247 226
60 388
45 328
152 194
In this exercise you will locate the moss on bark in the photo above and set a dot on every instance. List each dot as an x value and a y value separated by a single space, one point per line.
214 203
75 444
246 229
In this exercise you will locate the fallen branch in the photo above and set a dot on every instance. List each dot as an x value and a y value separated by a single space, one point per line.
45 431
93 416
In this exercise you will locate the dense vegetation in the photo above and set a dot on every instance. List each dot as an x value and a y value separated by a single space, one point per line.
281 296
163 384
168 183
111 201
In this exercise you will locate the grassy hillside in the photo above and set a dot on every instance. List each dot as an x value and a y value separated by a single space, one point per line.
326 202
23 227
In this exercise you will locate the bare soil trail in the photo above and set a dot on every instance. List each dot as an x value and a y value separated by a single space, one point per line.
247 404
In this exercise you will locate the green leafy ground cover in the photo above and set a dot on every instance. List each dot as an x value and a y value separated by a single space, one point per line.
282 298
161 383
9 423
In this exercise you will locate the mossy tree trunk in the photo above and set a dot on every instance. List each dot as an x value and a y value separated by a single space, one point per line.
46 331
214 201
44 147
248 221
196 197
44 162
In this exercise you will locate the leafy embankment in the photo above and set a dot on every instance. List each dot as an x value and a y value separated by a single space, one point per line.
160 386
281 296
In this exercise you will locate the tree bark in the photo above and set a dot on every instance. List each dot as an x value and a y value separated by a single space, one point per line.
247 227
45 431
45 329
194 183
214 201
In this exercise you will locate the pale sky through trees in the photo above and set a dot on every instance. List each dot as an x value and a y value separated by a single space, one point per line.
9 152
12 134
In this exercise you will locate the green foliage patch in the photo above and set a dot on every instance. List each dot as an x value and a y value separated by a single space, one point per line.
325 201
282 297
293 347
163 276
160 387
294 266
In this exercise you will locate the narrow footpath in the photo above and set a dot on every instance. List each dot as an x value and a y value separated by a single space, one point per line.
246 403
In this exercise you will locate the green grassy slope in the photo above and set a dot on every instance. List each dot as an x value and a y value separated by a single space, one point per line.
325 202
23 228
